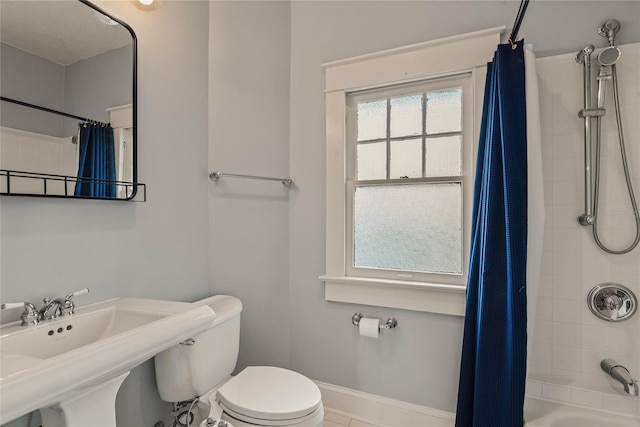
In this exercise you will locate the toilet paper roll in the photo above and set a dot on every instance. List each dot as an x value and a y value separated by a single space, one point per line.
369 327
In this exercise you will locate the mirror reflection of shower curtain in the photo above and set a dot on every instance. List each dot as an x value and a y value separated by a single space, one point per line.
96 164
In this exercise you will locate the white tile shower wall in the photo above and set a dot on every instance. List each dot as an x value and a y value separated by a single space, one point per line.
34 152
570 341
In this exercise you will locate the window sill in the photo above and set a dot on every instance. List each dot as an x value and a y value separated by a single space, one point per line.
417 296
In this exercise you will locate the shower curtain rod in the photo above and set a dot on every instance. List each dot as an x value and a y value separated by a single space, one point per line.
516 26
49 110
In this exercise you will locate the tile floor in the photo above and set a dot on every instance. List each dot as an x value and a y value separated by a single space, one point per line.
333 419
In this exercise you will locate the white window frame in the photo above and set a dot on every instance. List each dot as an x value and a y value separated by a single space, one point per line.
465 53
462 81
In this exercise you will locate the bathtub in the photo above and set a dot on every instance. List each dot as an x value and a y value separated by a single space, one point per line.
539 412
546 413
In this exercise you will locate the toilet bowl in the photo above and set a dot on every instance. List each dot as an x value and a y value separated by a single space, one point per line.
258 396
265 396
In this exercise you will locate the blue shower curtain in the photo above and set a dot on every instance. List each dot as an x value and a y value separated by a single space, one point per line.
96 165
494 349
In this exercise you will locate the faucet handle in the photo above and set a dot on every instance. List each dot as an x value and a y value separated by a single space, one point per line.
69 306
29 315
78 293
10 305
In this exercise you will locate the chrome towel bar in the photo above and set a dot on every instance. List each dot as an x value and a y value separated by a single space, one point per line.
214 176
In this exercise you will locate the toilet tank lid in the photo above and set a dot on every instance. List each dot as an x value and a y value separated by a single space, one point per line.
224 306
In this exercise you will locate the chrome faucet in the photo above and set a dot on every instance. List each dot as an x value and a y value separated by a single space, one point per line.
620 374
51 310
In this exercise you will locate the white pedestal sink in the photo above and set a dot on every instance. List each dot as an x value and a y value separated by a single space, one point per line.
71 368
94 405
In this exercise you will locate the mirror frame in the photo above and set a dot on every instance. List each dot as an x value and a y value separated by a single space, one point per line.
134 181
134 101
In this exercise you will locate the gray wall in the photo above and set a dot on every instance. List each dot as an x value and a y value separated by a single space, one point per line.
95 84
29 78
249 128
86 88
156 249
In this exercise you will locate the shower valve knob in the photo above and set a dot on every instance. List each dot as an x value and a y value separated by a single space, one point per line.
612 302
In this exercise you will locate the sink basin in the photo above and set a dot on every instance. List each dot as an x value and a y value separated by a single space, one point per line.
43 365
60 336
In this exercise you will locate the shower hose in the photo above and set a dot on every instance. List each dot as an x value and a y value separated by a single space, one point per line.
627 175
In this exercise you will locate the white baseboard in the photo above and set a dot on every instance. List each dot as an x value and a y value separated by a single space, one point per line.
381 411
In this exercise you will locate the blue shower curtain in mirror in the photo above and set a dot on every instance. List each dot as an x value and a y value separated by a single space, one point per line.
96 164
494 349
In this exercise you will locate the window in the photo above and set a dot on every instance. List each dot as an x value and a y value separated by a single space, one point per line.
405 180
401 132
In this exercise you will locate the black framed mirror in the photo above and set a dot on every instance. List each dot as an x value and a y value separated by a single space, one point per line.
68 113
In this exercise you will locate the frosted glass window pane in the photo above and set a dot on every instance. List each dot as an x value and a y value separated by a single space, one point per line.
372 120
443 156
406 115
406 159
414 227
372 161
444 111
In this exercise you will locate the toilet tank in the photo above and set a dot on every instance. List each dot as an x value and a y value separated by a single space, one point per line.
184 371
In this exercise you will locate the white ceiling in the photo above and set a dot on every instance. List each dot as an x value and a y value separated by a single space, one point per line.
61 31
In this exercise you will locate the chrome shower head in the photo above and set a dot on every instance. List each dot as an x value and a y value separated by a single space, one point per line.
609 55
608 29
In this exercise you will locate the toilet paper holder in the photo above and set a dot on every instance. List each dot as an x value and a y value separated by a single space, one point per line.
391 321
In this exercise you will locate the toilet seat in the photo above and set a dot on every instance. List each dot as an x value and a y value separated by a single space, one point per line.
266 395
262 422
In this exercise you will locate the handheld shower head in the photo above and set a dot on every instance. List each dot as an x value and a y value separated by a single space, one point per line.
608 29
609 55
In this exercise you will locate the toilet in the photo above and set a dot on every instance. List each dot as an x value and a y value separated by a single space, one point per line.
258 396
